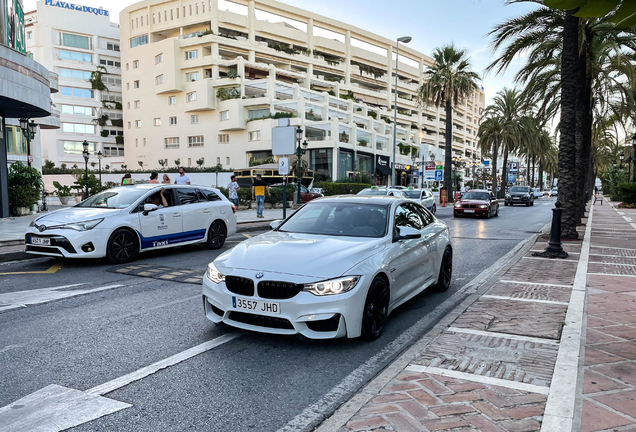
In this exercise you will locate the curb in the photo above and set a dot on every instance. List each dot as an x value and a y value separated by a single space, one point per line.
443 316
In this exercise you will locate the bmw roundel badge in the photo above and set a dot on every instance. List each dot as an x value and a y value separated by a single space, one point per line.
42 228
259 275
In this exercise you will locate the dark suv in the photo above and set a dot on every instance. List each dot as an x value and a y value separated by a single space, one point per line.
520 195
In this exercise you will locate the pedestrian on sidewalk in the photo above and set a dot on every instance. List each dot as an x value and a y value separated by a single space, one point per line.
258 192
153 178
232 189
183 179
166 179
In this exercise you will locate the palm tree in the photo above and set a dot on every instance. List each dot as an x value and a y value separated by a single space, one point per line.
448 82
492 133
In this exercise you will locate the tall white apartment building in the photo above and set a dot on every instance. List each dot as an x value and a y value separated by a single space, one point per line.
207 80
73 41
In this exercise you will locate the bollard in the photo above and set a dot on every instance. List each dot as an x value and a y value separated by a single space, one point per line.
554 248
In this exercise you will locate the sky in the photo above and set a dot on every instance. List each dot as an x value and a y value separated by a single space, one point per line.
431 23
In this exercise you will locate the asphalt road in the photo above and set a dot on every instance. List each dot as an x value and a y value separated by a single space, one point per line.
254 382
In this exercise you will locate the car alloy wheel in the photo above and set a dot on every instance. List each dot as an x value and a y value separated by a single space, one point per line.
445 271
216 235
376 309
122 247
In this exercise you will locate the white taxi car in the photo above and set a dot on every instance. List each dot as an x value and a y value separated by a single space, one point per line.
121 222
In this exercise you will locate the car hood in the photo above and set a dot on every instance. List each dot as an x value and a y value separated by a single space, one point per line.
519 193
474 201
75 214
309 255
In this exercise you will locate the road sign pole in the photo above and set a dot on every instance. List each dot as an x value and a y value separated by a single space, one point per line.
284 197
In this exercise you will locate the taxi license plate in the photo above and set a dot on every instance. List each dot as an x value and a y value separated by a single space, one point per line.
469 211
257 306
41 241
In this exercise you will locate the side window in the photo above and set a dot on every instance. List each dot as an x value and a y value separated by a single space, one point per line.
187 196
425 215
405 216
212 196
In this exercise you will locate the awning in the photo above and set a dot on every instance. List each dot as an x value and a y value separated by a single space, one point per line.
383 164
370 99
383 169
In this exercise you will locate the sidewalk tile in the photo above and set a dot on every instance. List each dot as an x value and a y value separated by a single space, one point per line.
609 283
435 387
595 357
624 332
604 418
623 349
595 337
367 423
594 383
531 292
626 318
625 372
559 272
403 423
525 425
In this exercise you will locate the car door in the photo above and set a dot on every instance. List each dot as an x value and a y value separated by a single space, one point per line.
407 257
163 226
196 213
427 199
494 204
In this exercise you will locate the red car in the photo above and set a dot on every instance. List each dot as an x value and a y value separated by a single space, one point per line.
305 194
477 203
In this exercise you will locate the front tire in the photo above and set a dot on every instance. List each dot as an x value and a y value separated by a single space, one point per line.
445 271
376 309
216 235
497 212
434 209
122 247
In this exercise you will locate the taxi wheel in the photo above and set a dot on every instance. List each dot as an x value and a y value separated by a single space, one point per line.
122 247
216 235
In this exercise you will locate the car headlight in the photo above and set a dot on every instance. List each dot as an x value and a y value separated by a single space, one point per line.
458 204
83 226
508 196
332 286
214 274
32 224
483 206
526 196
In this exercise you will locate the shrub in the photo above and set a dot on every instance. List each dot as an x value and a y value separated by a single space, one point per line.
25 185
276 194
245 196
62 190
626 192
228 93
358 178
329 188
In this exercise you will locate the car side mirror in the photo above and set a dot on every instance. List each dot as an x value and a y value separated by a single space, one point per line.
407 233
275 224
149 208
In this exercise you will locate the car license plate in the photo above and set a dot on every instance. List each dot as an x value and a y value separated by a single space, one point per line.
516 197
469 211
41 241
257 306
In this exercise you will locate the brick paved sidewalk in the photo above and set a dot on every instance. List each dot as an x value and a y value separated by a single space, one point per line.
492 369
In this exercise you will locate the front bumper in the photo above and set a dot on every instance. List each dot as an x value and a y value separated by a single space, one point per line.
315 317
68 243
520 200
458 211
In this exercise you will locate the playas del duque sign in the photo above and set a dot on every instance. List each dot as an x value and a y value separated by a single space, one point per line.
71 6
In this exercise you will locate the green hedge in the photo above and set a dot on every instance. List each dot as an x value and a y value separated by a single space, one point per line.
626 192
276 195
329 188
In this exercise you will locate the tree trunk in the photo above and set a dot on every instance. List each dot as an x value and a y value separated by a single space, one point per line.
588 185
567 133
494 168
448 153
540 176
580 132
528 161
534 164
504 177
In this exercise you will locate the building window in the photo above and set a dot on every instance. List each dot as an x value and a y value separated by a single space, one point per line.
172 100
225 115
128 105
192 96
159 80
112 47
227 161
127 86
137 123
194 119
136 142
78 128
76 56
171 143
157 122
75 41
218 160
255 136
76 147
128 125
137 104
113 150
139 40
136 84
144 142
173 121
192 76
29 35
189 55
76 74
195 141
77 92
224 138
159 58
78 110
135 64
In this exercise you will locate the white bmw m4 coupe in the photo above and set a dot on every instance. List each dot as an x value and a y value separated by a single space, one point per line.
335 268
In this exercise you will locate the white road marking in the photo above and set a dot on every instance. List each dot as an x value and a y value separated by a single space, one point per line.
21 299
524 299
611 247
503 335
161 364
551 259
535 283
55 408
480 379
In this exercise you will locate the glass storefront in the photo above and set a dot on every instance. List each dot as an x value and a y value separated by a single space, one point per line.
365 163
16 143
345 163
321 162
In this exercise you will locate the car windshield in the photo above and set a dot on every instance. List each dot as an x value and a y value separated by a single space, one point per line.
338 219
519 189
372 192
484 196
114 198
412 193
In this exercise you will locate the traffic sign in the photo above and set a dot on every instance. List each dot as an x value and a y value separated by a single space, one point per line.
283 166
439 175
283 140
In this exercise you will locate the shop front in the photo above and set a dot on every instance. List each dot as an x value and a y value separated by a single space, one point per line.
382 170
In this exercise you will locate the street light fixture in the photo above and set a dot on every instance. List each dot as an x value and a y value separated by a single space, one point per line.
300 152
99 159
404 40
85 154
28 130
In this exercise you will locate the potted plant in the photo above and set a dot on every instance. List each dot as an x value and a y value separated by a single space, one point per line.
63 192
25 185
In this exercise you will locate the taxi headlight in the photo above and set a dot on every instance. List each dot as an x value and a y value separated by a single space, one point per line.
82 226
332 286
214 274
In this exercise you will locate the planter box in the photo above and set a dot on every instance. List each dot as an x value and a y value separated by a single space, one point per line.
64 200
253 205
78 198
23 211
279 206
243 207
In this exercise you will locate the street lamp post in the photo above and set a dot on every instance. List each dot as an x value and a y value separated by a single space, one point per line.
413 160
634 156
85 154
99 159
455 162
405 40
28 130
300 152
